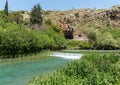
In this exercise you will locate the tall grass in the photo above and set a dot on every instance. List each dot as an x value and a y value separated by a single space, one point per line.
92 69
91 51
29 57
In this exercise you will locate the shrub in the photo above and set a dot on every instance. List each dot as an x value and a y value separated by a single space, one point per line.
16 40
78 44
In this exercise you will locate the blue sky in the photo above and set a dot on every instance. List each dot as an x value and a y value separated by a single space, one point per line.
58 4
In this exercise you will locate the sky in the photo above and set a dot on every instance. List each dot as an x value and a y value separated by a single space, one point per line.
15 5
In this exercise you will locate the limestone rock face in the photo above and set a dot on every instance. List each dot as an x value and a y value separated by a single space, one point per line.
72 23
114 16
26 15
68 24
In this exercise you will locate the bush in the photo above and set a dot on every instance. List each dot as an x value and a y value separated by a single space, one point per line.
16 40
78 44
105 38
59 40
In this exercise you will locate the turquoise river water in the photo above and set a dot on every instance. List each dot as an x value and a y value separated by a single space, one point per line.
21 73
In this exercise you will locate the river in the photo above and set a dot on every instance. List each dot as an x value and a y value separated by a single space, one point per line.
20 73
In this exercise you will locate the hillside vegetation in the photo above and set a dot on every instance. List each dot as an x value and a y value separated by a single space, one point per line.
86 28
17 39
99 28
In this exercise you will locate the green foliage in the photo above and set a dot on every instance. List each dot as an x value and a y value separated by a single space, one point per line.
59 40
51 25
36 15
6 8
92 69
73 44
16 40
48 22
16 17
115 32
91 34
78 44
55 33
106 41
106 38
44 54
3 17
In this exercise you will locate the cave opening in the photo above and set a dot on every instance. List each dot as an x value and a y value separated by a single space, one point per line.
68 34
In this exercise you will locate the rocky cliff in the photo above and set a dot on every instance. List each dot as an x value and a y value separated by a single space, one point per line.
73 21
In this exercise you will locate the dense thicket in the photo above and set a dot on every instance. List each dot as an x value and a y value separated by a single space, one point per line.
16 40
104 38
92 69
13 17
78 44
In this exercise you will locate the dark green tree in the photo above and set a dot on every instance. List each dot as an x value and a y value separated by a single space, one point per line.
36 15
6 8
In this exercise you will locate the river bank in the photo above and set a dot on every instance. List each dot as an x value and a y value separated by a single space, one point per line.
15 72
27 58
48 54
91 69
20 71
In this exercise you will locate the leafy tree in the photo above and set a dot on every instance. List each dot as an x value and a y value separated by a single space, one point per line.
106 41
6 8
118 41
15 40
16 17
91 34
36 15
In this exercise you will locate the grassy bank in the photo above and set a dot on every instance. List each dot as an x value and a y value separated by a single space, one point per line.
28 57
91 51
92 69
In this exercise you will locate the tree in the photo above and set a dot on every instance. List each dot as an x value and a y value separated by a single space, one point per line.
91 34
106 41
6 8
36 15
16 17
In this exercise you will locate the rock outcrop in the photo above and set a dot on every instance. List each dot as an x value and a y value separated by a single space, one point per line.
72 21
